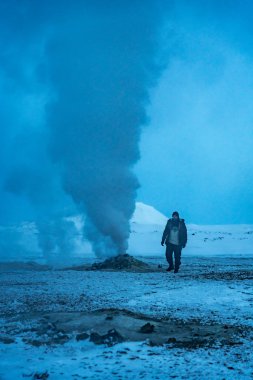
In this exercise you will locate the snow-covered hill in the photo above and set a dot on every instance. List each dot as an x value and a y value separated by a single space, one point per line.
147 225
145 214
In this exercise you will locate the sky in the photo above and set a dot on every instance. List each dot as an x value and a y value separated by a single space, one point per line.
174 84
196 154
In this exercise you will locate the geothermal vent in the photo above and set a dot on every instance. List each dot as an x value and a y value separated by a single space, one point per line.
121 262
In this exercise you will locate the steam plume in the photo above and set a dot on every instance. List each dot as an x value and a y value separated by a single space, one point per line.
86 70
102 65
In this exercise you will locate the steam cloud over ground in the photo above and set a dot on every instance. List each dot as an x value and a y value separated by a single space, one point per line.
81 85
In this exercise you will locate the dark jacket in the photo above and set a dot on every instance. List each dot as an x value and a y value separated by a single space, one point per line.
182 237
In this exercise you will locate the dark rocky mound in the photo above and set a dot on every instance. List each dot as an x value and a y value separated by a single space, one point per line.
121 262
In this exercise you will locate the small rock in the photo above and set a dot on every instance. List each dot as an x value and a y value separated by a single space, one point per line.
82 336
59 339
96 338
171 340
6 339
41 376
147 328
111 338
33 342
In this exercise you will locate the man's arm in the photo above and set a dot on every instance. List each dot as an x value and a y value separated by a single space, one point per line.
185 235
165 233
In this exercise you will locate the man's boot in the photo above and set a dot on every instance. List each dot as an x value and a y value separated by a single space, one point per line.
169 268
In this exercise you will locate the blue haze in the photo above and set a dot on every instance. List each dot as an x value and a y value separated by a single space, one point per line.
76 85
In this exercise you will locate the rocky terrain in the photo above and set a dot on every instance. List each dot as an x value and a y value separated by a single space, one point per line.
118 323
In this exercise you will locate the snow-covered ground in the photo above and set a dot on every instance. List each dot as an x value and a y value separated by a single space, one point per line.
204 313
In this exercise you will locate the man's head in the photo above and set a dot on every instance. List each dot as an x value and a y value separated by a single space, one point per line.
175 215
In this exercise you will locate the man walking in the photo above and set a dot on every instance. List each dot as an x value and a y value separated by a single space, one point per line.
175 238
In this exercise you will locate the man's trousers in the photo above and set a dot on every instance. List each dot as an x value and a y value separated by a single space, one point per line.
170 248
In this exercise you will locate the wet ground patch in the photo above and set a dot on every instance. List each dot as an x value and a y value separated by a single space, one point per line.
112 326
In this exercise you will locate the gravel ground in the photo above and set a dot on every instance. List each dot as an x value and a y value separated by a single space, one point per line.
208 306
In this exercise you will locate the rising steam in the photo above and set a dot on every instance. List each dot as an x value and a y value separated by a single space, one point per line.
102 65
88 67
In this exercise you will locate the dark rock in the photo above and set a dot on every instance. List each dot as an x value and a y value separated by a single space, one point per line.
41 376
82 336
110 339
33 342
59 339
48 340
62 302
96 338
113 337
171 340
147 328
6 339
